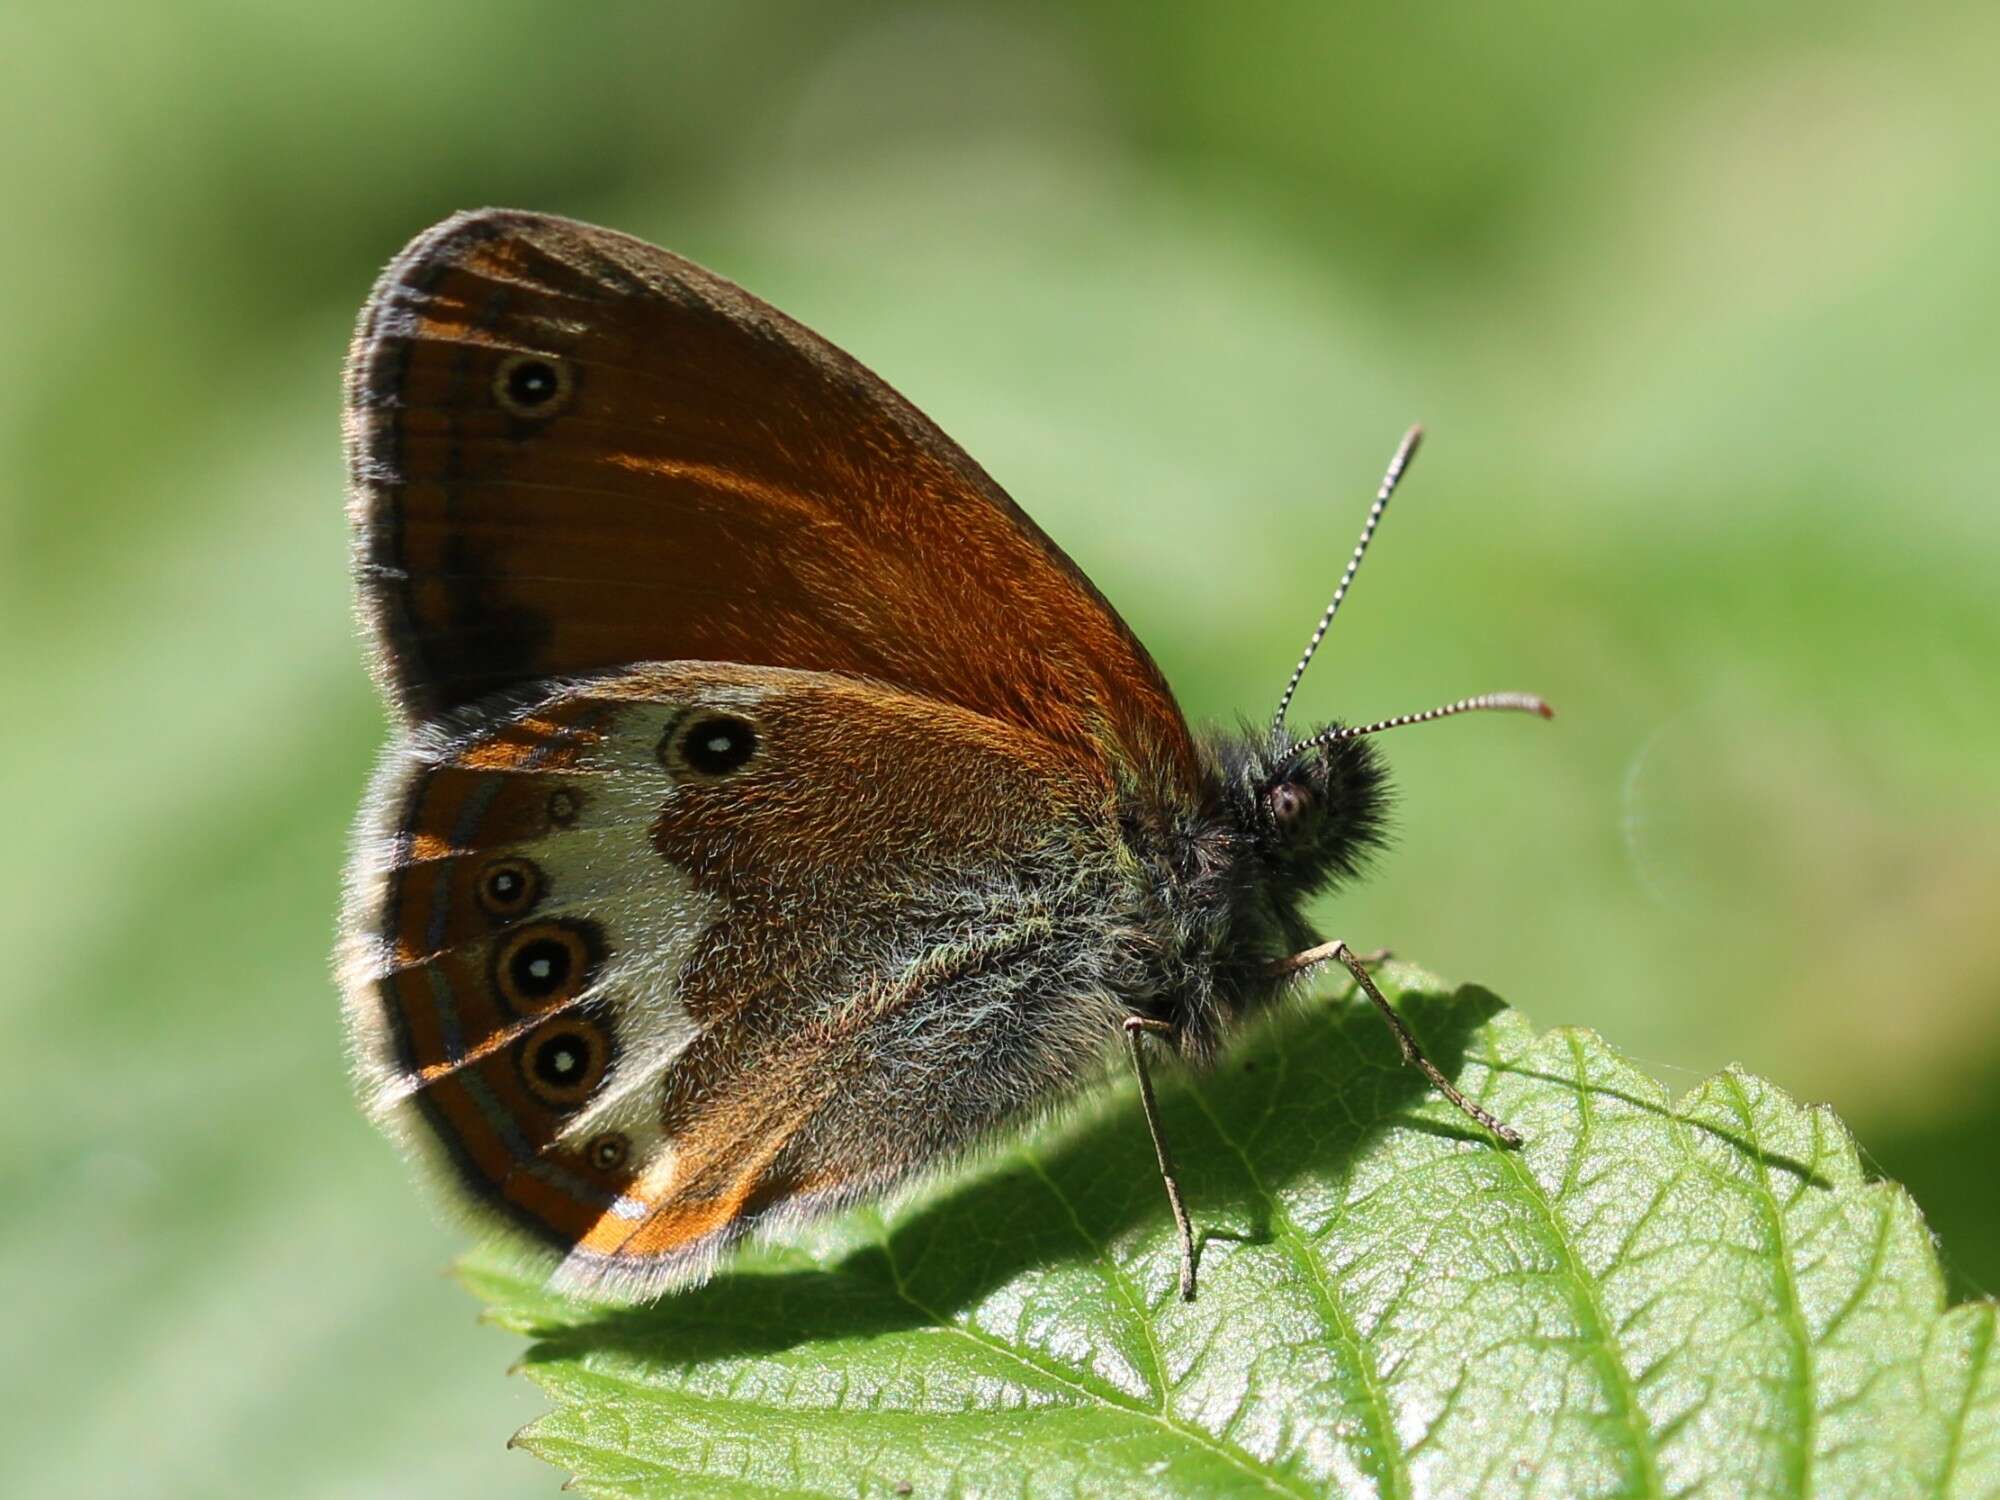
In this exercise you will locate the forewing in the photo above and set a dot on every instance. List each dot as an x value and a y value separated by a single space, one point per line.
648 961
571 451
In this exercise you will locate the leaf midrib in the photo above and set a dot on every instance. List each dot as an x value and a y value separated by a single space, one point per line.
1793 1311
1585 1305
1975 1364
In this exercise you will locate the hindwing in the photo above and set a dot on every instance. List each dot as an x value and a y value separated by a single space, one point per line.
650 960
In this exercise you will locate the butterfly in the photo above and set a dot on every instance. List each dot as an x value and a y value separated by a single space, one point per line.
772 811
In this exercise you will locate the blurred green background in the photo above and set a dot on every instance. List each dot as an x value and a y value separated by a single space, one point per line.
1698 302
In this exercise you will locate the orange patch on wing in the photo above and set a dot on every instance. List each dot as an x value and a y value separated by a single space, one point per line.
484 1048
427 846
707 1199
539 744
498 754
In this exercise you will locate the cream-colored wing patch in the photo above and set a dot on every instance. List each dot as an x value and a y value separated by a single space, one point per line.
511 950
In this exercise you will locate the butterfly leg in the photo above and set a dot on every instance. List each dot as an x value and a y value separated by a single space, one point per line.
1357 965
1137 1028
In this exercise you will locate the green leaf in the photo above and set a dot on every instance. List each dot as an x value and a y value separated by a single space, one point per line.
1652 1297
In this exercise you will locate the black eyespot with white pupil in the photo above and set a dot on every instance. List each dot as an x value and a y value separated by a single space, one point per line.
560 1060
508 888
563 1060
544 963
717 744
608 1152
540 968
531 385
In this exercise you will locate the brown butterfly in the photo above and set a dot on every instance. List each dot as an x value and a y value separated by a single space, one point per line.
774 810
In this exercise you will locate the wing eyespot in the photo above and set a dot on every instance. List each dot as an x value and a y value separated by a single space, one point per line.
563 1061
532 386
564 805
608 1152
709 746
508 889
544 964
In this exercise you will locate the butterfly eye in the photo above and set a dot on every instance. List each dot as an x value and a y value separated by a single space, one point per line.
545 963
563 1061
509 888
714 745
531 385
607 1152
1287 803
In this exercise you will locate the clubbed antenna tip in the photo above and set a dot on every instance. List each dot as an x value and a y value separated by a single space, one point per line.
1526 703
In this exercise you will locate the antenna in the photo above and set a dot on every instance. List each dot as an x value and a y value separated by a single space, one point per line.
1526 703
1405 451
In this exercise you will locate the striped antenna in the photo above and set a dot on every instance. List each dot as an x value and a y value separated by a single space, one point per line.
1526 703
1404 452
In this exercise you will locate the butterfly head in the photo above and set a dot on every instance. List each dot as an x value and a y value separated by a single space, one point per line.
1306 812
1290 819
1298 814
